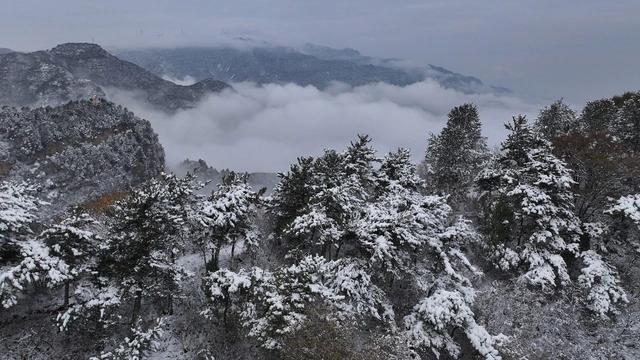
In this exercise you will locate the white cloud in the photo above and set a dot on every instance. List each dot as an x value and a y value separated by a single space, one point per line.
265 128
186 81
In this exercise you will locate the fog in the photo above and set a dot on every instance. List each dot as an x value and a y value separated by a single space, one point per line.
265 128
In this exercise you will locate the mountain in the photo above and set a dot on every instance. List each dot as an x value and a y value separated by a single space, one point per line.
76 71
89 151
5 51
310 65
207 173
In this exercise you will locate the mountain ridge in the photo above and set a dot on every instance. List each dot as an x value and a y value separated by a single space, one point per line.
307 65
74 71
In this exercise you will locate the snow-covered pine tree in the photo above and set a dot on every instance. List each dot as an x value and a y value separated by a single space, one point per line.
144 239
73 241
138 346
359 159
625 212
598 116
456 155
397 167
626 127
23 260
292 193
390 225
228 216
337 186
555 119
530 223
602 284
414 236
17 212
272 304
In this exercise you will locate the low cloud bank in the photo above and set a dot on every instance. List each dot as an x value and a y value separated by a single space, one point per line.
265 128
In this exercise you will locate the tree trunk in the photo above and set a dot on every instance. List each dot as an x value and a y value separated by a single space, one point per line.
66 294
338 250
213 264
137 303
204 257
233 250
323 250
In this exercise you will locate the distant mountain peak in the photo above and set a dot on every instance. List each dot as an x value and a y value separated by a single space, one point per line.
82 50
326 52
75 71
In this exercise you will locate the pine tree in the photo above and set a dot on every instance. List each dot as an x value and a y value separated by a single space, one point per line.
23 259
397 167
228 216
381 218
17 212
529 207
336 186
598 116
456 155
555 119
627 125
292 193
272 304
72 241
145 238
359 158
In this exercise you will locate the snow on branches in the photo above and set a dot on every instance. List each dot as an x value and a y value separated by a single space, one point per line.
145 236
228 216
17 208
272 304
530 220
91 302
36 265
602 284
432 320
138 345
627 206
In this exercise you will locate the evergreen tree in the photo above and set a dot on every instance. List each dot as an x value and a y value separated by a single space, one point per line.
17 212
456 155
598 116
555 119
359 158
292 193
529 207
72 241
272 304
380 219
627 125
145 238
336 187
397 167
228 216
23 260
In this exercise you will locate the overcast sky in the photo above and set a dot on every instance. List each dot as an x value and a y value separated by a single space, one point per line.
577 49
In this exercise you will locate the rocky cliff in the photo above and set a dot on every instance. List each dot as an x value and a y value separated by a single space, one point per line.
80 152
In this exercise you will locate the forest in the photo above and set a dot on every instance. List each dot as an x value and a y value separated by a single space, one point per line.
528 250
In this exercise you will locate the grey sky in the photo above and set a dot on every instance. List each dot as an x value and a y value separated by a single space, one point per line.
578 49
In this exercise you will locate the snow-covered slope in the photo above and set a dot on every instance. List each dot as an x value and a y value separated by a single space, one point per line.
78 152
76 71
